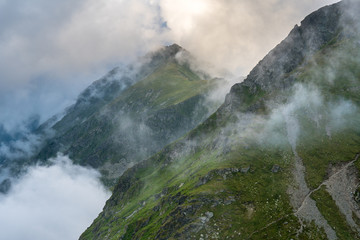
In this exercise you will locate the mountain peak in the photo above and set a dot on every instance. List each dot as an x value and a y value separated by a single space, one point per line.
270 73
164 53
174 48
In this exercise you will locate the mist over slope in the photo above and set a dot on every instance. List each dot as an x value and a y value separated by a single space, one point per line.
123 118
278 160
119 120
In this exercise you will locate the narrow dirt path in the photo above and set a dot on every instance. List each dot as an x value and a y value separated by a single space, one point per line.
308 209
324 183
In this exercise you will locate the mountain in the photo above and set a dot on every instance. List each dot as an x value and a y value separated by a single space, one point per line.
129 114
278 160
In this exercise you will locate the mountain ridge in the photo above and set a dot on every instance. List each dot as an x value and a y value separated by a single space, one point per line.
127 115
315 30
242 173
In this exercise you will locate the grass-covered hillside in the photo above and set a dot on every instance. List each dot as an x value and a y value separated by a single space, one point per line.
128 116
272 163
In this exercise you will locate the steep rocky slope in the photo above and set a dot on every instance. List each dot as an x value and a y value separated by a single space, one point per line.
278 160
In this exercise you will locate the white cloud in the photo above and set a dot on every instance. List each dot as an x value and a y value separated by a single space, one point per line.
234 34
51 203
51 50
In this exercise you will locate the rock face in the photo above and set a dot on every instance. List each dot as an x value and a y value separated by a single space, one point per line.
303 41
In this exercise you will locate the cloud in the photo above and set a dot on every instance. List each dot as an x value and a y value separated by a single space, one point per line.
50 51
67 37
24 147
50 203
305 101
288 121
233 34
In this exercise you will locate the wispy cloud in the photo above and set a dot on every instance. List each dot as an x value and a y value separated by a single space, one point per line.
234 34
51 50
50 203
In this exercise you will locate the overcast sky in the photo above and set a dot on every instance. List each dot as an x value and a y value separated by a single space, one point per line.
51 50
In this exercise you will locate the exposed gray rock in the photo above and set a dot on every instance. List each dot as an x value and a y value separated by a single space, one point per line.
271 73
219 172
275 168
245 169
341 186
229 200
207 217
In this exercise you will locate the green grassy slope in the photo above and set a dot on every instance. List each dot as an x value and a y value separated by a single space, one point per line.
145 117
165 87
